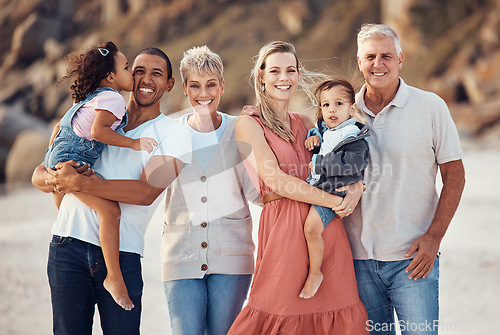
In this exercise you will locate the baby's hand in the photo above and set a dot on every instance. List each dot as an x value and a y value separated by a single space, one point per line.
313 141
145 143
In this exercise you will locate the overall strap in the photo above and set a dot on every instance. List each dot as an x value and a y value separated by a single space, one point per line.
66 120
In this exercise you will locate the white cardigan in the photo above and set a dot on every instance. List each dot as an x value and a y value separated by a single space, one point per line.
207 223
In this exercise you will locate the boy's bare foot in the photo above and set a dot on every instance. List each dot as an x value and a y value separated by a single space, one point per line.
311 286
119 292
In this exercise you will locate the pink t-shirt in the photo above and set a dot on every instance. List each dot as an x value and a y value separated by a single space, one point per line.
85 115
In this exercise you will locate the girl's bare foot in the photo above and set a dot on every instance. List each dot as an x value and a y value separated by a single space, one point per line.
311 286
119 292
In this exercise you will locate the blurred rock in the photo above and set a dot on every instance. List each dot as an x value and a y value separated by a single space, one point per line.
452 47
478 120
29 38
292 15
4 152
27 153
13 120
397 15
53 50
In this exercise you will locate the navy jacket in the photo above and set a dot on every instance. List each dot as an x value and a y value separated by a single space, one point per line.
345 164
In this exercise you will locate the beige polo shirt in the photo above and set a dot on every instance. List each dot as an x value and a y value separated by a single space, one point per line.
409 138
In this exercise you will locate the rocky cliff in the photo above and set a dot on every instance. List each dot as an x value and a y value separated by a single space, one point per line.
451 47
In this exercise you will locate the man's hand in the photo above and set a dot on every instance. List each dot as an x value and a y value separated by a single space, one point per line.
351 199
250 110
427 245
63 178
312 141
427 248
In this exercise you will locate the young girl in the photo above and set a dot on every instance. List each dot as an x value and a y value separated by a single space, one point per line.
342 157
99 111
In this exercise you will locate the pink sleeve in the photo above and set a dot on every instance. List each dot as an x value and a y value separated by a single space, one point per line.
112 102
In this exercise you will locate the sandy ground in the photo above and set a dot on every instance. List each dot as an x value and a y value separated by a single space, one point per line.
470 266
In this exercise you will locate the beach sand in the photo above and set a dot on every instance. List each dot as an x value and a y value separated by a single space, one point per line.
469 270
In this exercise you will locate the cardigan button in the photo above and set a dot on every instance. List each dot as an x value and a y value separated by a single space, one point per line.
203 179
203 199
204 245
204 224
204 267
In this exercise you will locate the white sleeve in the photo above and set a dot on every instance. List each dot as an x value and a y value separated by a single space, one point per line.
446 143
175 141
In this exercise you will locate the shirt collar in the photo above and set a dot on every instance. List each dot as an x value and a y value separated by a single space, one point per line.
399 100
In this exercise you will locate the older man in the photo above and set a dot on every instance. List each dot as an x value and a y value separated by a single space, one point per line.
76 267
396 231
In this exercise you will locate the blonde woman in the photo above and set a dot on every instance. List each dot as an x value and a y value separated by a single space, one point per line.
207 248
273 144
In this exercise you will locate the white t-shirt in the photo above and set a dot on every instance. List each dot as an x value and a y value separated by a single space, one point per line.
408 139
79 221
84 117
205 144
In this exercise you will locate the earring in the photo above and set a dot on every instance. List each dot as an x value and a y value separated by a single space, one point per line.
263 87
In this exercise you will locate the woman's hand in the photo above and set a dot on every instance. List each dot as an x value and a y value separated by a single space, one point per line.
252 110
351 199
313 141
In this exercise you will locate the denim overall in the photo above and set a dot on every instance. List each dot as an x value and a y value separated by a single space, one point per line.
69 146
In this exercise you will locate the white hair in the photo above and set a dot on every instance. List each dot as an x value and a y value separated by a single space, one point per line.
370 31
201 60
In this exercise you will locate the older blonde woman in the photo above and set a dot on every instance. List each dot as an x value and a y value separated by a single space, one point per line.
274 145
207 249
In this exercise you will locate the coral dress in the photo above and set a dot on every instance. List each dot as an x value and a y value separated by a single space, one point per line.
282 264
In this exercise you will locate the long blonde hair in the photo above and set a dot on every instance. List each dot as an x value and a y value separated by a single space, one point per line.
268 115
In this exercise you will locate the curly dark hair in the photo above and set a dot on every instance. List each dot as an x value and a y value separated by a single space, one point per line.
89 68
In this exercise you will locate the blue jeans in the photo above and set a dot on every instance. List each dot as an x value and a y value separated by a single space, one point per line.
76 272
205 306
384 287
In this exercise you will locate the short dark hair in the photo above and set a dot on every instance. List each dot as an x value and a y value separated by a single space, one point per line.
157 52
327 85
